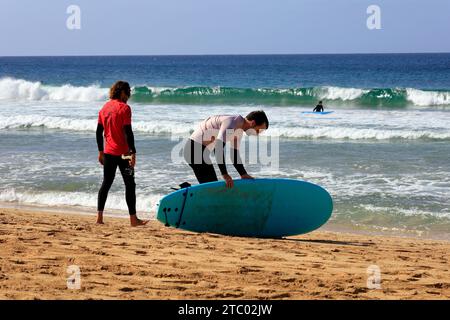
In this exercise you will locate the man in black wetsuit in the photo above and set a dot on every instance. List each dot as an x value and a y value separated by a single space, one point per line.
319 107
114 120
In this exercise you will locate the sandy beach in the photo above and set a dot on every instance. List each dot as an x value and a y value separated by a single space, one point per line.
155 262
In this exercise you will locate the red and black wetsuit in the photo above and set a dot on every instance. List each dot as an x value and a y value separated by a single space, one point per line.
114 120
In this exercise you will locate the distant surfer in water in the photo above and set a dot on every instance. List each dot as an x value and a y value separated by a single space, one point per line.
319 107
213 134
114 119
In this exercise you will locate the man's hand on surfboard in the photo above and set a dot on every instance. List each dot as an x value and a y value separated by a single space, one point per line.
228 180
101 157
246 176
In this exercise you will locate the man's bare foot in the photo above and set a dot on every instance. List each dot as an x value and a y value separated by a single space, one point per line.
100 218
135 222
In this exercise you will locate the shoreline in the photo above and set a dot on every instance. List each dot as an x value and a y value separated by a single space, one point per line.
330 226
155 262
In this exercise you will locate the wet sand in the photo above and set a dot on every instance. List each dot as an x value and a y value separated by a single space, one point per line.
155 262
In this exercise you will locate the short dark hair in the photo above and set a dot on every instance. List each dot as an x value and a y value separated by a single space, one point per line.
259 117
117 89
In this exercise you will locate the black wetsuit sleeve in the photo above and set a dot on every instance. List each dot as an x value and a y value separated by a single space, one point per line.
99 135
237 162
130 138
219 152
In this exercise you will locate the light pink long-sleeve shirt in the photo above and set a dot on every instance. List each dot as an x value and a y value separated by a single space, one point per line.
227 128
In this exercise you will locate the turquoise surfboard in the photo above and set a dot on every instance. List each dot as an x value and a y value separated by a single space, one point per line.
252 208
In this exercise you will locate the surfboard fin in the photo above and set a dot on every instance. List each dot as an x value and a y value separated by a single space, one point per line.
182 186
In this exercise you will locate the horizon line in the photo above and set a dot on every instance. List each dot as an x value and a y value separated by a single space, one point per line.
214 54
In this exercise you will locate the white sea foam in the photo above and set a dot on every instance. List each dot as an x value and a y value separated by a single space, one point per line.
374 185
29 121
156 91
22 90
336 130
428 98
70 124
18 89
144 203
337 93
406 212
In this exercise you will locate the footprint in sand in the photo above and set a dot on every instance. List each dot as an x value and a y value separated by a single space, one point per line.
228 295
412 279
266 291
404 258
249 269
439 285
51 273
124 273
181 281
280 296
359 290
288 279
26 239
100 253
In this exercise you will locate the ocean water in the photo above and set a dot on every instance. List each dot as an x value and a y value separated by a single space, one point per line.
383 154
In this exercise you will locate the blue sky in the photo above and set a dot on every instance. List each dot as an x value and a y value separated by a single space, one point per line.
135 27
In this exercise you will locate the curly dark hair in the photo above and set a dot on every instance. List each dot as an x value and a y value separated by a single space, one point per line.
117 88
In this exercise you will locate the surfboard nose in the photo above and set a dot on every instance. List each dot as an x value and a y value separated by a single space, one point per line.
302 207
